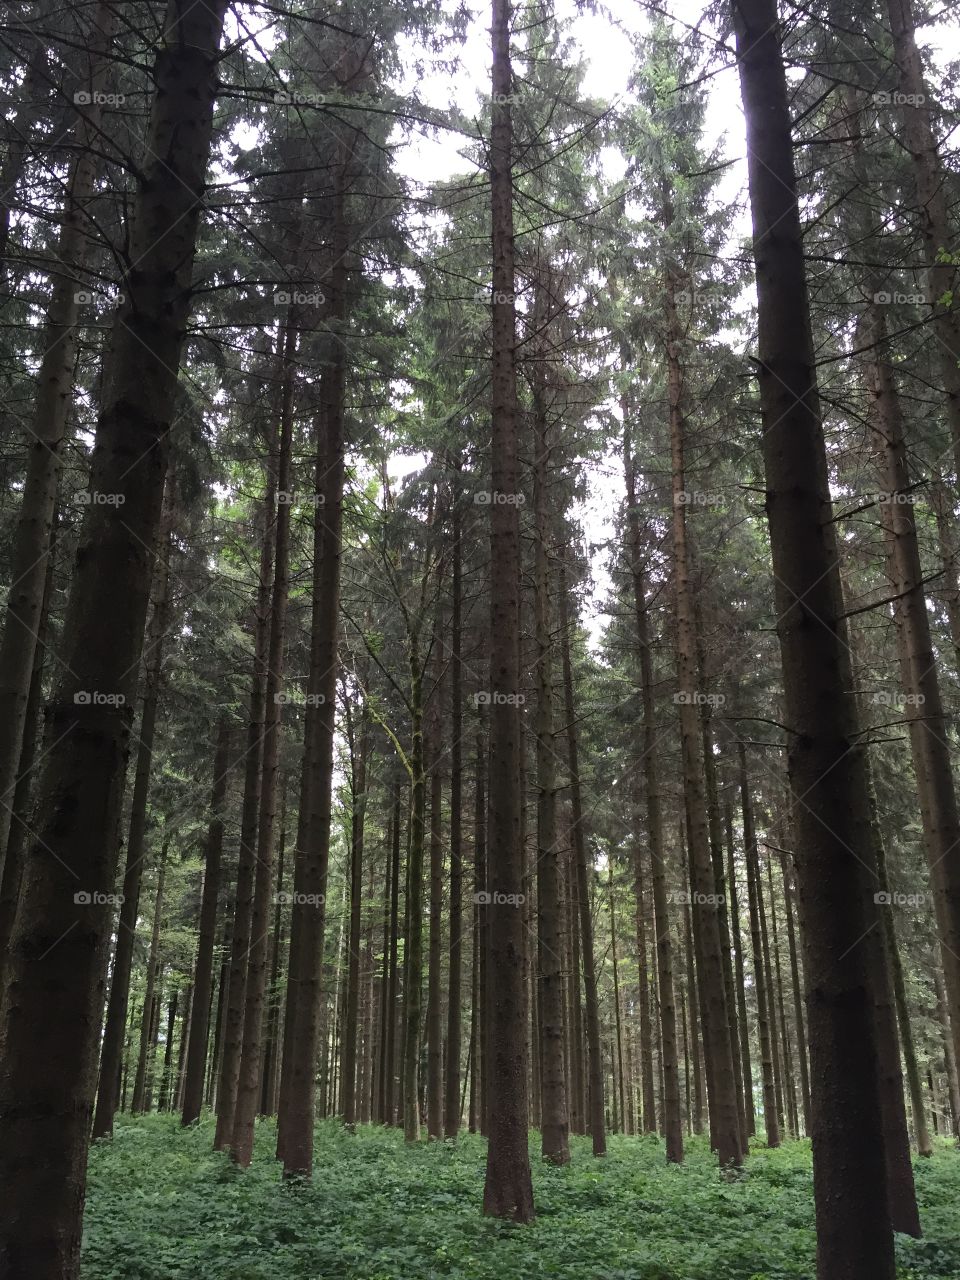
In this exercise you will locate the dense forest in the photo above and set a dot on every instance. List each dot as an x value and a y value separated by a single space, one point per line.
480 654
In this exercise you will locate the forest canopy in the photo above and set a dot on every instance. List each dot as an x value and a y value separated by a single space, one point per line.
480 654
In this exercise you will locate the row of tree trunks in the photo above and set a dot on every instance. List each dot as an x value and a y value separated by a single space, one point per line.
52 1006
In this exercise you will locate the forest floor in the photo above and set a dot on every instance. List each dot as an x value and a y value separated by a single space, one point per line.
162 1206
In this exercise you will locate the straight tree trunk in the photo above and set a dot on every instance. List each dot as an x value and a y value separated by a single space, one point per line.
196 1061
452 1104
141 1100
54 398
12 874
482 922
554 1119
508 1188
113 1034
826 759
389 1057
721 1081
673 1133
358 770
579 842
255 986
233 1011
434 1019
163 1096
302 1030
789 889
771 1118
692 1050
924 711
750 1113
271 1049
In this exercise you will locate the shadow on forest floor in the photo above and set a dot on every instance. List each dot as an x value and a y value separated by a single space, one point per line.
162 1206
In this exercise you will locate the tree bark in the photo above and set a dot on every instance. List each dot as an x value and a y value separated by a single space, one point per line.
196 1061
579 842
721 1081
673 1133
235 994
34 526
141 1097
554 1119
508 1189
358 788
312 855
826 762
113 1034
452 1103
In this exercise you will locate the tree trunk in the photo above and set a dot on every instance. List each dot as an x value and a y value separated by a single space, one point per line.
196 1062
923 709
389 1057
141 1099
750 1114
12 874
270 1070
255 987
789 889
113 1034
358 789
304 974
508 1189
721 1082
54 398
826 761
240 937
771 1118
434 1020
554 1120
579 842
672 1128
163 1096
452 1104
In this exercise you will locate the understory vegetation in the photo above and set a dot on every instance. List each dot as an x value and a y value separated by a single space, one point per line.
163 1206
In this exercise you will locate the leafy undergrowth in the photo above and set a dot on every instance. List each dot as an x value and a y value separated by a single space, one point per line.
162 1206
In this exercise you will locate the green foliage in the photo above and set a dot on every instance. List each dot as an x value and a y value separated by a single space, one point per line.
163 1206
